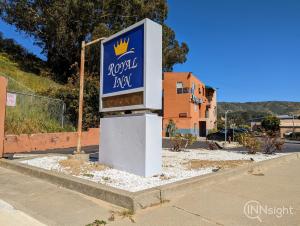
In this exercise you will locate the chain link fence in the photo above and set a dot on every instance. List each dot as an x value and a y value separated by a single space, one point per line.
28 113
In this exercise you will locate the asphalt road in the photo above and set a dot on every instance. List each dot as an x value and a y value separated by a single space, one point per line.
287 147
291 147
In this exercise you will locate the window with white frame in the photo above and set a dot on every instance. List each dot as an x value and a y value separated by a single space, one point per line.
179 87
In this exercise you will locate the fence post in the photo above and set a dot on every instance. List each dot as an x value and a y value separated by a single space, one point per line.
3 85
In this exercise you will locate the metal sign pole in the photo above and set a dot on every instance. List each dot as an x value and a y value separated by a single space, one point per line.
226 126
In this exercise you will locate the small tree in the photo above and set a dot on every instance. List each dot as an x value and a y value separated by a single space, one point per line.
272 141
171 128
271 124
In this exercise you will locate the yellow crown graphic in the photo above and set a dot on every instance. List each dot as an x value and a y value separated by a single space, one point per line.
121 47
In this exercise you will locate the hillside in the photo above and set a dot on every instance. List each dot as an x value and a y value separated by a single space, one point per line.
272 107
22 81
33 113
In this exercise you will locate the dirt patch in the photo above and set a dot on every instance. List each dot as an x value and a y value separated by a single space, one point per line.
221 164
256 172
76 166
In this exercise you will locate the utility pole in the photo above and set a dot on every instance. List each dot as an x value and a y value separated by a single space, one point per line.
226 112
293 126
233 127
81 88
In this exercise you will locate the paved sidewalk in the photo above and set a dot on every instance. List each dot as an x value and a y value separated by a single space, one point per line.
218 204
48 203
223 204
9 216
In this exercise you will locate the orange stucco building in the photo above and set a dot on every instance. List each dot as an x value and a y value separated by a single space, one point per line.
189 103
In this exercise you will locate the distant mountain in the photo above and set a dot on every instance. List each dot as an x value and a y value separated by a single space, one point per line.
271 107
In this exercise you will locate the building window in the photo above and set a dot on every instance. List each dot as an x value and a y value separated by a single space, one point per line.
182 115
180 89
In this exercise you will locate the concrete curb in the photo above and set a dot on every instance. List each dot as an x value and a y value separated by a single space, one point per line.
142 199
106 193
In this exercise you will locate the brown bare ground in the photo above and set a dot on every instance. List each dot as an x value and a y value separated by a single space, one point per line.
76 166
221 164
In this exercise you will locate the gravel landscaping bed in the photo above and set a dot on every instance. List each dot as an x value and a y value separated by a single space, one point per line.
176 166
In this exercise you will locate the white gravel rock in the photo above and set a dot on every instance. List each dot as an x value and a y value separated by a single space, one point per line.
47 162
173 169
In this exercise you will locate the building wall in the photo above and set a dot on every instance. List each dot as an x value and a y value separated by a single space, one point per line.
176 104
288 125
289 122
212 111
47 141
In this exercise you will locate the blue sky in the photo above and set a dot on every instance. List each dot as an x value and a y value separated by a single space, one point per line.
249 49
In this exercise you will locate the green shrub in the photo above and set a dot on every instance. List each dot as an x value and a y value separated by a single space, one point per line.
171 129
97 223
250 142
180 142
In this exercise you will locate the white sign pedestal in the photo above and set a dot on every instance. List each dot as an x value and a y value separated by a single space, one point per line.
132 143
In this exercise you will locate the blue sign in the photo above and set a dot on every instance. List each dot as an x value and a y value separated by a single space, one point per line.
123 61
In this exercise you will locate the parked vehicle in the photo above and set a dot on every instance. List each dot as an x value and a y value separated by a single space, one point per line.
293 136
220 135
288 134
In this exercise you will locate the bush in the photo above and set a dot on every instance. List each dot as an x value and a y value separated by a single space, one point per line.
214 130
70 95
272 144
249 142
180 142
211 145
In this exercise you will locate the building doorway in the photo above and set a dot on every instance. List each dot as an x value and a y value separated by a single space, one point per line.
202 128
